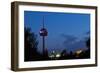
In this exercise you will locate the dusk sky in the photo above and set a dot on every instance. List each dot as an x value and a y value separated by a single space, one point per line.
65 30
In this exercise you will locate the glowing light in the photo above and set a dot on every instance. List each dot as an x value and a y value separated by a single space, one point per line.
57 55
79 51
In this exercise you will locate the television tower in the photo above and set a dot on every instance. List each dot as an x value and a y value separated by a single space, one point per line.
43 32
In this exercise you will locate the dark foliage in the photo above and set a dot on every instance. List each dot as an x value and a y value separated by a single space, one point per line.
30 45
88 46
88 43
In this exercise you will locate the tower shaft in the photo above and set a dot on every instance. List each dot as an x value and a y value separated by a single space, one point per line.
43 44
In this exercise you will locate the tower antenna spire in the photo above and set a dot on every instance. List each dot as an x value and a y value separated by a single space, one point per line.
43 21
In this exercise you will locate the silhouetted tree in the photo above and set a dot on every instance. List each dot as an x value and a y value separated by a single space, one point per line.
88 43
30 44
63 53
87 52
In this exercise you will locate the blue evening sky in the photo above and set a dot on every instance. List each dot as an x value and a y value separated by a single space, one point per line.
65 30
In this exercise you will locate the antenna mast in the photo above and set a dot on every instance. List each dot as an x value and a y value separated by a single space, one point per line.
43 21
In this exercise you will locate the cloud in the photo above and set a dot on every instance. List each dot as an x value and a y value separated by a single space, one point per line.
72 43
68 39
